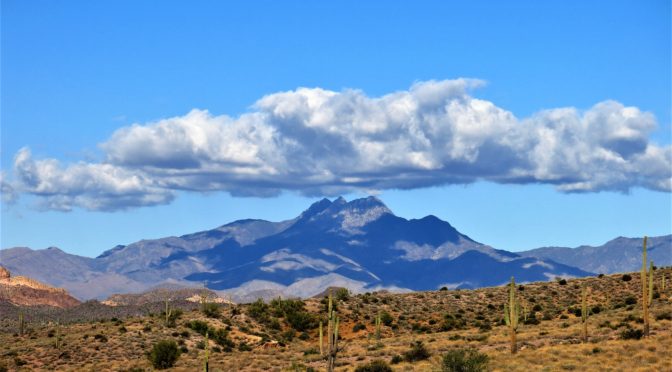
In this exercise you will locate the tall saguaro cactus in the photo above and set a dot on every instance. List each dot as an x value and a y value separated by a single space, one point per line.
647 289
169 311
378 327
321 340
584 313
332 336
22 323
206 363
511 314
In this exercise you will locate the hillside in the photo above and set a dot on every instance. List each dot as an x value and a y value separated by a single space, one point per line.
615 256
23 291
281 336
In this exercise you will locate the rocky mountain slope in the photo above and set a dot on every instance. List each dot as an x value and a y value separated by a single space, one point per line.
359 244
23 291
616 256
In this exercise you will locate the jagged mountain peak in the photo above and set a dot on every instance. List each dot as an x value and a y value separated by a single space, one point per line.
343 214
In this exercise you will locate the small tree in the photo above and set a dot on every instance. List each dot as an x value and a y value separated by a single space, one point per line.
164 354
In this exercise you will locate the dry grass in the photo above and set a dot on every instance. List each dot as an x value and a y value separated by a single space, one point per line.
552 345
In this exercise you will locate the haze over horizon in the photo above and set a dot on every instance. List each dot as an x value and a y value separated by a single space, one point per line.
110 135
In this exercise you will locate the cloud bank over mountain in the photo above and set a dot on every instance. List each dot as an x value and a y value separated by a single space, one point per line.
321 142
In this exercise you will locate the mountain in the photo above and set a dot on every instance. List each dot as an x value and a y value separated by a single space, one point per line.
615 256
359 244
23 291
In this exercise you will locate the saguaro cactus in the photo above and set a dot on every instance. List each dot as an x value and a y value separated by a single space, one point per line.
22 323
662 283
378 327
58 343
321 340
206 365
511 314
332 336
584 313
168 311
647 289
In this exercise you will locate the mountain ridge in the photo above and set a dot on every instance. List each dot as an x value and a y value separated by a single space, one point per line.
359 244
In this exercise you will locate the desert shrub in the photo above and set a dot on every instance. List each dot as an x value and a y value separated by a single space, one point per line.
664 316
537 307
358 327
258 310
450 323
626 278
443 289
464 360
631 334
211 310
280 307
301 320
164 354
562 282
342 294
198 326
221 337
576 311
244 347
397 359
100 337
374 366
417 352
630 300
386 318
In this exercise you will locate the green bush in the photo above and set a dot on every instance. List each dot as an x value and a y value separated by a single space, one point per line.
164 354
342 294
386 318
358 327
626 278
374 366
258 310
631 334
417 352
301 320
464 360
397 359
199 326
211 310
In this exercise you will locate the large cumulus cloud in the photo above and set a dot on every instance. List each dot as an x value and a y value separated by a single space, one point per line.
321 142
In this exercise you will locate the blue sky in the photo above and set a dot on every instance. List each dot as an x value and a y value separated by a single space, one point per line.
76 75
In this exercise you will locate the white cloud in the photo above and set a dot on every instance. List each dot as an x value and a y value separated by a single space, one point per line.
321 142
89 186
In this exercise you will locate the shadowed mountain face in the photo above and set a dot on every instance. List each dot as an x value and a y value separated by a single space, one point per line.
360 244
615 256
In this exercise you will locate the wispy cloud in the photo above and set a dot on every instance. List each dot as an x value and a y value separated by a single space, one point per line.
320 142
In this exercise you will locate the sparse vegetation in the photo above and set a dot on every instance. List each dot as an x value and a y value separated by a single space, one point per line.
549 333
